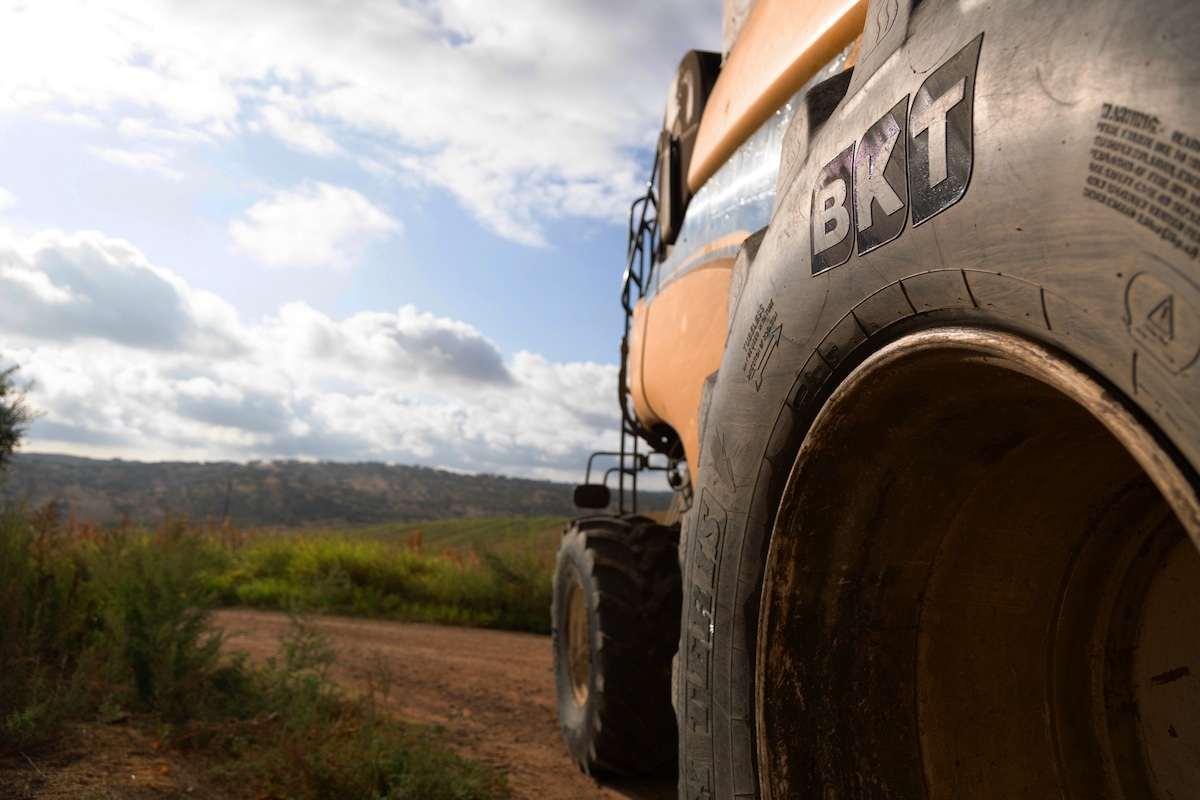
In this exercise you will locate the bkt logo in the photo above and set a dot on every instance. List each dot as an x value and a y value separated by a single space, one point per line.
919 157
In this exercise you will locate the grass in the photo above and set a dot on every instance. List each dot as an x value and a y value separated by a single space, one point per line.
98 622
488 573
460 534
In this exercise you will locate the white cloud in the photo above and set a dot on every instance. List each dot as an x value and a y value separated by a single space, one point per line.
130 361
314 225
303 136
525 111
142 161
35 284
7 199
77 118
84 286
133 127
136 128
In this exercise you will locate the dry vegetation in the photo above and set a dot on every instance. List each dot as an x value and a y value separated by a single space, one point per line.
489 573
104 623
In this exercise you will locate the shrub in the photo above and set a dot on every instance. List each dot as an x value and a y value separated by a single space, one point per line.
118 620
156 594
504 587
46 629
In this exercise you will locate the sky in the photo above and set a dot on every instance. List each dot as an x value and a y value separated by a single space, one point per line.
335 230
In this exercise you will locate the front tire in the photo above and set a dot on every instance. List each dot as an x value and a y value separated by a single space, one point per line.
615 626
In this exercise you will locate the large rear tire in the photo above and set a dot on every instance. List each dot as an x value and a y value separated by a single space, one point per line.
615 617
946 525
1000 602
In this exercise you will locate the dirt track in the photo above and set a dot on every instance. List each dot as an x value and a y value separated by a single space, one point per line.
493 691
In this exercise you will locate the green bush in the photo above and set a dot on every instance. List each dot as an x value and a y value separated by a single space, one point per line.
504 587
119 621
47 626
156 594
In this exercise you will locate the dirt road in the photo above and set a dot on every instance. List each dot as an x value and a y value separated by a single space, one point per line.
493 691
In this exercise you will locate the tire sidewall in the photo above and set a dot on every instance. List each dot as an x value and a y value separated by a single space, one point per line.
577 721
1022 251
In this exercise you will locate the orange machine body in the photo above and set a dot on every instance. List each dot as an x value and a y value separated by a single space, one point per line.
678 331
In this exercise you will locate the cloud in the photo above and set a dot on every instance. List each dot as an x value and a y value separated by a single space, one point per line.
66 288
77 118
137 128
143 161
131 361
33 284
303 136
7 199
407 343
524 111
314 225
253 413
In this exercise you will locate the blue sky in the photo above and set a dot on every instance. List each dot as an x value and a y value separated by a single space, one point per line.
327 230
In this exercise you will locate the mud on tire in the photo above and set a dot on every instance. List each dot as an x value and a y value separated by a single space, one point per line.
946 540
615 626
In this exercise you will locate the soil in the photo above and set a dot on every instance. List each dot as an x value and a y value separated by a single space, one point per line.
491 691
108 760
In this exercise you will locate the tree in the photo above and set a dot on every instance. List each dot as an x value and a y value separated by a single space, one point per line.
15 414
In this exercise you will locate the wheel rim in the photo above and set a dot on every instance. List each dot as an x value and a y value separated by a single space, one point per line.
1008 603
579 651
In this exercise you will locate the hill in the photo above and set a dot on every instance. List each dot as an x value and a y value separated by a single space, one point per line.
281 493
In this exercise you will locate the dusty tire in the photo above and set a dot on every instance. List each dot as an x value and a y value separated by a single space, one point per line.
987 610
615 625
1015 358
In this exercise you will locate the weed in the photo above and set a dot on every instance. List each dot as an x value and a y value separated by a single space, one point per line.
505 585
97 621
45 626
156 597
306 739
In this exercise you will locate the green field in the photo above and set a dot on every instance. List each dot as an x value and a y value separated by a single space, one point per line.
456 534
493 573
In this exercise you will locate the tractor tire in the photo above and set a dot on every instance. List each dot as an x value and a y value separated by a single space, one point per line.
615 625
946 535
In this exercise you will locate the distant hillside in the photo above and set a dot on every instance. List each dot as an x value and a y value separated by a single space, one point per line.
285 493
